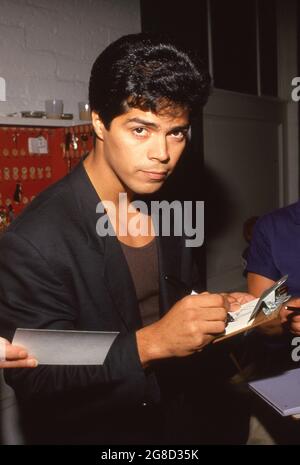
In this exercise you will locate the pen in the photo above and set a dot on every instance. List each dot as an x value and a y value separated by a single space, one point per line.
295 309
176 282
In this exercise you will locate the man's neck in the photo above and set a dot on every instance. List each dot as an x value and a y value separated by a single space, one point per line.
109 189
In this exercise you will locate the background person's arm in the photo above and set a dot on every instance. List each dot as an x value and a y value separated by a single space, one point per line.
257 284
262 271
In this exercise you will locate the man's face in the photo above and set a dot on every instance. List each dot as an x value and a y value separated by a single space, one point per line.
141 148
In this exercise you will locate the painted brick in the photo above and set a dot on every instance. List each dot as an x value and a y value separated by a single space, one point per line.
72 70
47 47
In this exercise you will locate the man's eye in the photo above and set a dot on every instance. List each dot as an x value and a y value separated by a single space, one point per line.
140 131
179 135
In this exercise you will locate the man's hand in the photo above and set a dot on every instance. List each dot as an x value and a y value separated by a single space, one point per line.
190 325
290 318
15 356
236 299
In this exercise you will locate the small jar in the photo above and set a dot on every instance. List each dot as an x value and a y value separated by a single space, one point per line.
84 111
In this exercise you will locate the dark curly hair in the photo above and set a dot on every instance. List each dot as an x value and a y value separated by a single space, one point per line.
142 71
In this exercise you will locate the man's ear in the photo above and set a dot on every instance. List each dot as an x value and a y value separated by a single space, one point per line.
98 125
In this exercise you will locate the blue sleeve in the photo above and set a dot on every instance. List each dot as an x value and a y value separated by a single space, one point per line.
260 258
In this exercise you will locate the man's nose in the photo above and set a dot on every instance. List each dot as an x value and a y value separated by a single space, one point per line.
160 150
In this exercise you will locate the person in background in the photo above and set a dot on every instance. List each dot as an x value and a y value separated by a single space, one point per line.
275 252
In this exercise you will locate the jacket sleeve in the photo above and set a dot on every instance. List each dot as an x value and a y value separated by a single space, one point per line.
32 296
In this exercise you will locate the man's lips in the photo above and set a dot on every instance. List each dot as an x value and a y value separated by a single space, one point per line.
158 175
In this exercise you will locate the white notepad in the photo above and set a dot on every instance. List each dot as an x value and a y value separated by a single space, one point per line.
282 391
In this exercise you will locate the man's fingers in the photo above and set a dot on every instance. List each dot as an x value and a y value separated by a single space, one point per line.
242 297
13 352
294 302
235 306
211 300
295 331
15 356
209 314
289 315
27 363
213 327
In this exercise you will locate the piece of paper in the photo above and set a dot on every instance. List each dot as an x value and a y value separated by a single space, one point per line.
241 317
282 391
258 311
56 347
38 145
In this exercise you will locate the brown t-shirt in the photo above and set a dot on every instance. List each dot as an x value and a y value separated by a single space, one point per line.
143 266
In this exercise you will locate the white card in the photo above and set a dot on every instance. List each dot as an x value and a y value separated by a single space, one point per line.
57 347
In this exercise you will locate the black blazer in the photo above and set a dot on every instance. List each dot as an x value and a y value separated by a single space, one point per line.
57 273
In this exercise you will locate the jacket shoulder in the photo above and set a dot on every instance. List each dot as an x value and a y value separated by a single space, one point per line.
50 209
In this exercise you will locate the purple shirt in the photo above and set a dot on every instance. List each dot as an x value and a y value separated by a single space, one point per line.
275 247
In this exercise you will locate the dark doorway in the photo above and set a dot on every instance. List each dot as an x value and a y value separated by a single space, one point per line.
186 26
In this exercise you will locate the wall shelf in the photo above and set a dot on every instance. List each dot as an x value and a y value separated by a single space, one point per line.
41 122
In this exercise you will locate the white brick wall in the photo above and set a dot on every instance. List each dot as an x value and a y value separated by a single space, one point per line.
47 47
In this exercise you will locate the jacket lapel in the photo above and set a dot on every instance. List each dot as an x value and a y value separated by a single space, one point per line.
116 273
169 260
119 283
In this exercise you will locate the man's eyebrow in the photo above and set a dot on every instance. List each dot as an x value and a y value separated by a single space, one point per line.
142 121
155 126
183 127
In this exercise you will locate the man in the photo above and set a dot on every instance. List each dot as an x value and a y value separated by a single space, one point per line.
12 356
59 270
